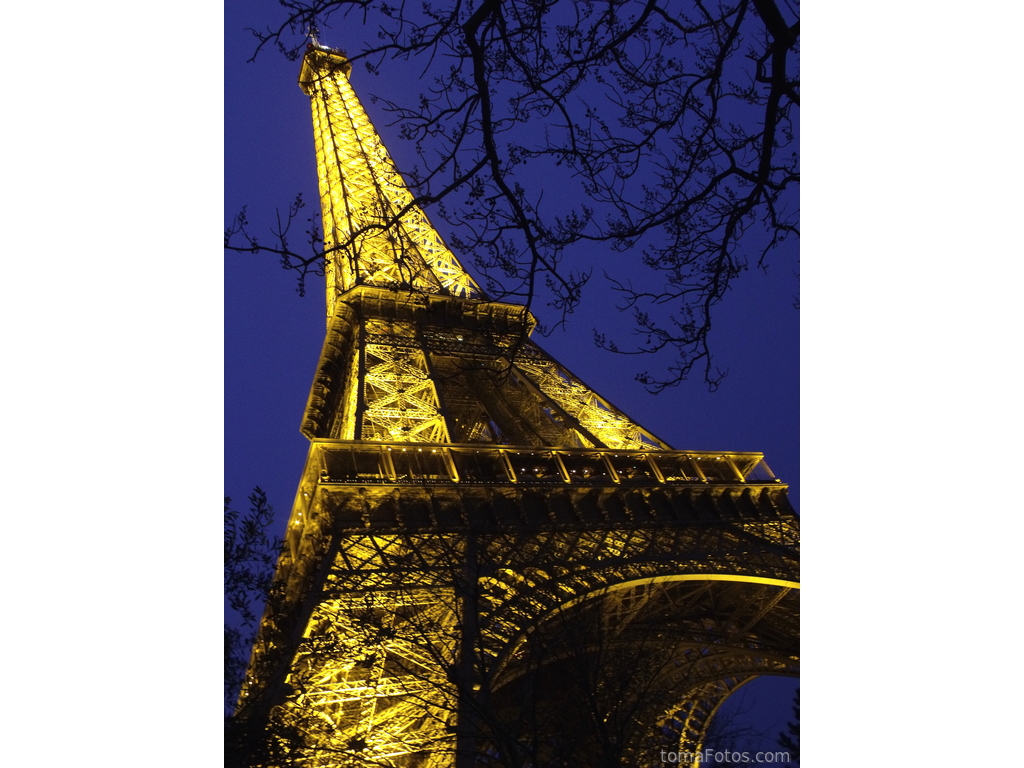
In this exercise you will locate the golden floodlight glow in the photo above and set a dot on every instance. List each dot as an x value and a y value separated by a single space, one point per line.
416 586
374 232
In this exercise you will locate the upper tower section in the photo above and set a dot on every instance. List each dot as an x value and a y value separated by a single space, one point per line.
374 232
415 353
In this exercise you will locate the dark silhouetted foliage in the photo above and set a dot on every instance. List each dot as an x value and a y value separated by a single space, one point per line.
662 135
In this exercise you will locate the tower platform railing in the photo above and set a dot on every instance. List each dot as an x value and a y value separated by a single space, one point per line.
401 463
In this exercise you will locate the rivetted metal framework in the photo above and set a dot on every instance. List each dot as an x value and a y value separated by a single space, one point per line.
375 233
486 560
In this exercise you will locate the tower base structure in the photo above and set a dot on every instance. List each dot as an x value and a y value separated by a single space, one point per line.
468 605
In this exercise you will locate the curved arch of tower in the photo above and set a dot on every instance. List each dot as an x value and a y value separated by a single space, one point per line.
487 563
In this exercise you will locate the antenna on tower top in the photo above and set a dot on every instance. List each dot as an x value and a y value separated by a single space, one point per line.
312 34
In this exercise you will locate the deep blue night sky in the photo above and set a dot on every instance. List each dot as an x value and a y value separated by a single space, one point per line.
273 337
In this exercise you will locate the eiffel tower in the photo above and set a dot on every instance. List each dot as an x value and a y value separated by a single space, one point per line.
487 563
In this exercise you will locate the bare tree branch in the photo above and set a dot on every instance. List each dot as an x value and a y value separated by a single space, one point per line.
664 131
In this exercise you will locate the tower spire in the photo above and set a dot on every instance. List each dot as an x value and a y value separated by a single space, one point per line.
374 232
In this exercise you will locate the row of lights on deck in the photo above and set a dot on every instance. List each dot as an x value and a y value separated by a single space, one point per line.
540 471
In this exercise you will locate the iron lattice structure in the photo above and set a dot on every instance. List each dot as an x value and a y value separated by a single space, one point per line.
487 563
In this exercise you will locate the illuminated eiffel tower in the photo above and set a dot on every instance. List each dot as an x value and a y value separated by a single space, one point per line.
487 563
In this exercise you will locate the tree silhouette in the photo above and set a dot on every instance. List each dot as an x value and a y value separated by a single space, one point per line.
790 738
665 131
250 557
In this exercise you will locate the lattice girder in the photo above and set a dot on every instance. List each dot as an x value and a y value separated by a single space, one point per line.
407 366
395 590
374 232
